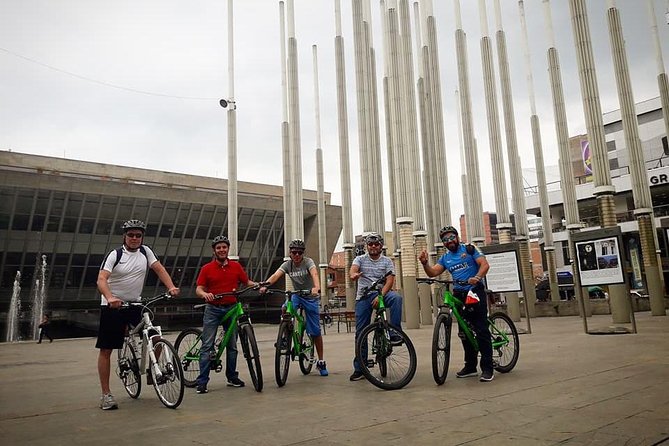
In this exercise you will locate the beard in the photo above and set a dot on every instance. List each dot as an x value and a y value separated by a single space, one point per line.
453 246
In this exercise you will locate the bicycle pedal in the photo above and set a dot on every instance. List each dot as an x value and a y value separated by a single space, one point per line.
370 363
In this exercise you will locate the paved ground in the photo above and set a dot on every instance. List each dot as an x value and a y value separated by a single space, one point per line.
568 388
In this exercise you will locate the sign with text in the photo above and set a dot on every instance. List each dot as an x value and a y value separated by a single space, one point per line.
599 258
504 274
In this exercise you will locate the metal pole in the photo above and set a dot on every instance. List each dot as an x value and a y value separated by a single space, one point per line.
232 142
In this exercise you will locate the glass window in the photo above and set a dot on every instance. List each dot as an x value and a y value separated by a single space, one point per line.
24 202
91 276
202 232
69 224
42 204
178 231
13 258
54 223
4 221
104 227
20 222
6 201
57 277
151 230
38 222
86 226
166 231
74 205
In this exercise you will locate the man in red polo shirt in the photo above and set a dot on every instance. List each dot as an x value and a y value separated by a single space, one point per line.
221 275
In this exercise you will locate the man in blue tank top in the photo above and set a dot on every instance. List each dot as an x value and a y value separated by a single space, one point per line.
467 266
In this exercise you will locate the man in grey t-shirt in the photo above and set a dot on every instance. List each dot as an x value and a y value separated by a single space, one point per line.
304 275
367 269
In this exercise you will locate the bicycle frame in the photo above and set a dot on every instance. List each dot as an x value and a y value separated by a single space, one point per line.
235 314
143 328
147 342
452 304
299 326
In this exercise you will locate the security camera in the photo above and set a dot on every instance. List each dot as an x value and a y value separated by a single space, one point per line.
225 103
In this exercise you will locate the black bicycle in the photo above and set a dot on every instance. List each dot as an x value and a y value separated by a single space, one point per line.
385 353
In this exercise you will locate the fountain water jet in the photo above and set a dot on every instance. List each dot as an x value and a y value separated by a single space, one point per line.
38 299
12 334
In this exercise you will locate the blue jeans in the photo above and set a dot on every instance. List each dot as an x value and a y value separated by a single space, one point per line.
210 322
363 315
312 313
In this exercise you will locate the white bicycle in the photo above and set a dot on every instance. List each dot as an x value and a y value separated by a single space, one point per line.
164 368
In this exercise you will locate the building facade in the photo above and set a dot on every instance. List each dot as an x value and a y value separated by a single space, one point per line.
72 211
656 152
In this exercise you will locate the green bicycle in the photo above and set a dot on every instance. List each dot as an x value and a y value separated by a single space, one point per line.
189 343
293 341
505 342
385 353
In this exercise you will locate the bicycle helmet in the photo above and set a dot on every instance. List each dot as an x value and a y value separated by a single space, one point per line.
220 239
297 244
373 237
446 229
134 224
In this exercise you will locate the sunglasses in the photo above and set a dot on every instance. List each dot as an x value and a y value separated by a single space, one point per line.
134 235
297 253
448 238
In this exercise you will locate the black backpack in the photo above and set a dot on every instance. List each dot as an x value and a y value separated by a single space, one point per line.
119 254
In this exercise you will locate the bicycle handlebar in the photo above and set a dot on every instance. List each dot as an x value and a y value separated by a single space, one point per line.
236 293
149 301
288 293
375 285
430 281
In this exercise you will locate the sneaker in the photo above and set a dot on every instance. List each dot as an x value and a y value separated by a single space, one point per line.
235 382
396 340
487 376
320 365
356 376
107 402
467 372
201 388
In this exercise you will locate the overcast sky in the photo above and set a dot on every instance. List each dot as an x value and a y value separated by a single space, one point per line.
137 83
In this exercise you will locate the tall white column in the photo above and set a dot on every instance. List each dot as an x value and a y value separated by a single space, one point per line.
232 142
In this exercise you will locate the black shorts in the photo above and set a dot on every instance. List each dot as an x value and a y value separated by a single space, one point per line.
113 325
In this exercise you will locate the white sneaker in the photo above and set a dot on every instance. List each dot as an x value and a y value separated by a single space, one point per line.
107 402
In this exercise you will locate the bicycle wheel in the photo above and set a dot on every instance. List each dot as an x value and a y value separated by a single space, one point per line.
505 342
127 368
307 357
441 347
170 385
386 356
188 346
250 349
282 355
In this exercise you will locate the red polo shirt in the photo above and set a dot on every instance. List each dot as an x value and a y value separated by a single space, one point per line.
217 279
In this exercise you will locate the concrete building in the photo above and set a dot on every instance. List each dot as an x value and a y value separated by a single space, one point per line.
656 152
72 211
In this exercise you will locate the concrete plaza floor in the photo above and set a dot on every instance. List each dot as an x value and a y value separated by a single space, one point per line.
568 388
